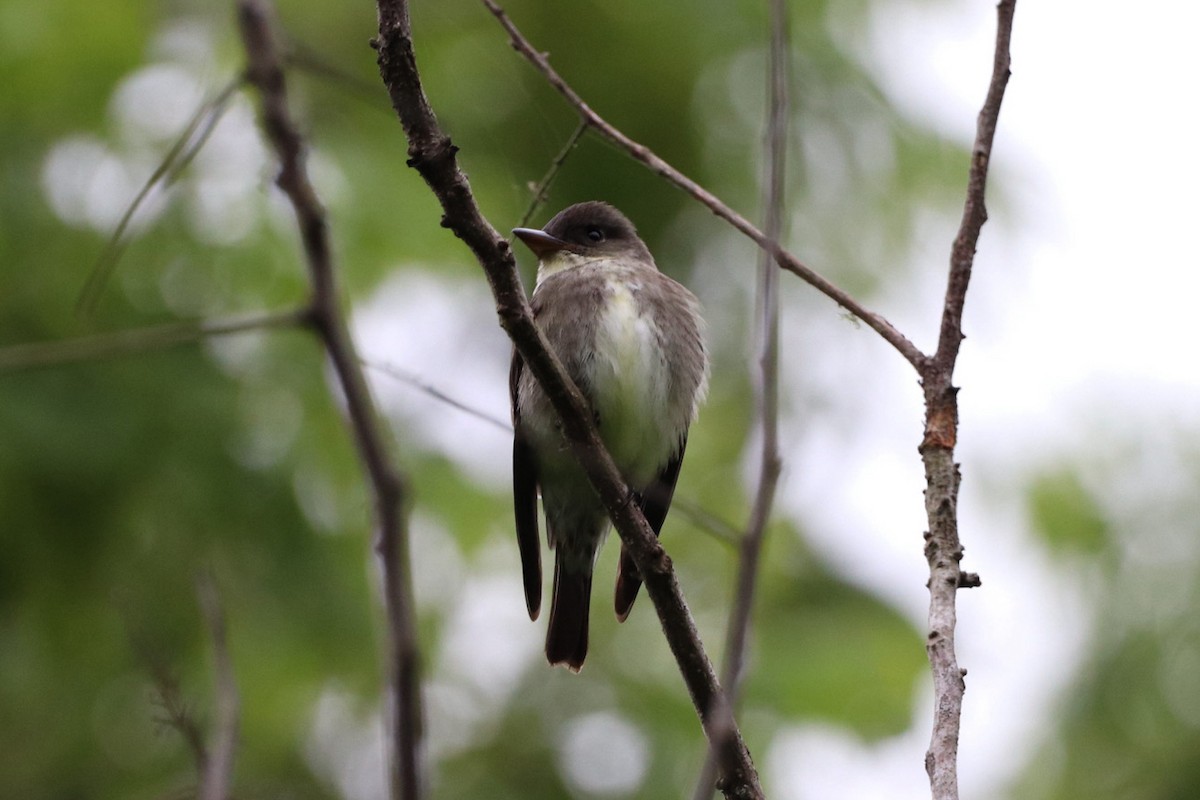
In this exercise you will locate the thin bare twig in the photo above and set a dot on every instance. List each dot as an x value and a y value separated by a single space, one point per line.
310 60
433 155
390 487
768 379
182 151
641 153
723 531
31 355
943 548
217 775
404 376
543 186
737 630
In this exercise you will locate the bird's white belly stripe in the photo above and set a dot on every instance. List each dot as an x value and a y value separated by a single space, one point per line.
630 387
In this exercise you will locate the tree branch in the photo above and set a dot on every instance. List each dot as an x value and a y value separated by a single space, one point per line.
767 332
943 548
390 488
962 256
543 186
768 361
415 381
433 155
182 151
138 340
217 773
641 153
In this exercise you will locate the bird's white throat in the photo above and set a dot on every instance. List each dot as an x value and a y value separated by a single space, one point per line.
558 262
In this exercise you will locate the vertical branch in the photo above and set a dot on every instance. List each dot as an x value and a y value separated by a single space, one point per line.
217 772
390 488
962 254
767 383
767 323
943 549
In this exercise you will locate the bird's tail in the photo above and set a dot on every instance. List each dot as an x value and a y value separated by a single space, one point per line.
567 633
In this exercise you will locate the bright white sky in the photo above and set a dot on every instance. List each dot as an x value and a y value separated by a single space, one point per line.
1080 318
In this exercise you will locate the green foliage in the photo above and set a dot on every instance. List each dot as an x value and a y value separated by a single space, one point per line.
1130 727
1066 516
829 651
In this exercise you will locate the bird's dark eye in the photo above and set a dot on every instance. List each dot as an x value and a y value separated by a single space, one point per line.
595 234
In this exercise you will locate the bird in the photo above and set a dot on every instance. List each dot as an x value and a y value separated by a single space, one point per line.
633 340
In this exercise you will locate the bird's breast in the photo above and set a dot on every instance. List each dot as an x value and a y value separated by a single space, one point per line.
629 383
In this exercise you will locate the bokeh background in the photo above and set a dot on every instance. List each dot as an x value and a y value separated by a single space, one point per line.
122 479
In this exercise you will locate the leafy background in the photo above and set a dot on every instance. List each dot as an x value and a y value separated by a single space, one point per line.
122 479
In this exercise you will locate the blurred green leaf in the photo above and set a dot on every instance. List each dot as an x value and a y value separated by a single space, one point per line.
827 650
1066 516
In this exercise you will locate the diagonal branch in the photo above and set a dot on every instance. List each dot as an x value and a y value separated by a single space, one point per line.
641 153
139 340
390 487
189 142
542 188
433 155
943 548
412 379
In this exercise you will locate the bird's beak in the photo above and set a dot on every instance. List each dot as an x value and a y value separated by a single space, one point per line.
540 242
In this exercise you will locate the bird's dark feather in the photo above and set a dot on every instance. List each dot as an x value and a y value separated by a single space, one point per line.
525 492
655 501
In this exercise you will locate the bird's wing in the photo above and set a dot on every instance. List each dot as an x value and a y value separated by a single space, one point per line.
655 502
525 489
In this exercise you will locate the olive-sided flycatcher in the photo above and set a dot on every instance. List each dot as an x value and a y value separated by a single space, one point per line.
632 341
